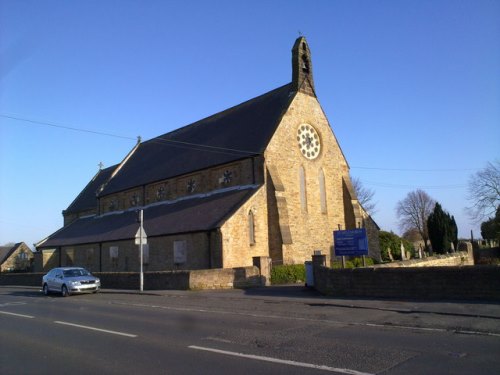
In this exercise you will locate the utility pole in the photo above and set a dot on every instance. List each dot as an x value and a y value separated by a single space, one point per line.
141 239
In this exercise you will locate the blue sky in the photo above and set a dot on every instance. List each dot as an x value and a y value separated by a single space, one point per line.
411 89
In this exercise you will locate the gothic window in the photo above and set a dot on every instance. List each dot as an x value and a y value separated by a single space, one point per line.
322 191
251 228
303 193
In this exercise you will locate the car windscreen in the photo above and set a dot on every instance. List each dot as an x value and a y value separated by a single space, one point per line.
75 273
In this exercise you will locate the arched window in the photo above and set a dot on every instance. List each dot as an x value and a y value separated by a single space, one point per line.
251 228
303 193
322 191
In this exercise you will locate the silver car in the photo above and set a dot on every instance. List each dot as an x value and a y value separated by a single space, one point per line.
70 280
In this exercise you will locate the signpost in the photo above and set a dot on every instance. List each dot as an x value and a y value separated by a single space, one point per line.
352 242
141 239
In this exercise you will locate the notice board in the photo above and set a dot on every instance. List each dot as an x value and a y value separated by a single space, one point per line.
352 242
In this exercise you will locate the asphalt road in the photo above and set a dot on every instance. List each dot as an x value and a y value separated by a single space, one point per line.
287 330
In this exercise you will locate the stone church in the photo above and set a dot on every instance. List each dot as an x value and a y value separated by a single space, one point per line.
266 177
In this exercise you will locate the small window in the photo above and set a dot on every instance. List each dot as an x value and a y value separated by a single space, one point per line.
251 228
180 252
113 252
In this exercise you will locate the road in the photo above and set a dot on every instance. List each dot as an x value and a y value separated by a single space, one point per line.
287 330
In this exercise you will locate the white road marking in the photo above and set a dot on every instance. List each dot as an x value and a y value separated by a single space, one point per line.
95 329
19 315
281 361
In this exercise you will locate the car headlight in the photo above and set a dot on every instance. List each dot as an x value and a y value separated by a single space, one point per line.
75 283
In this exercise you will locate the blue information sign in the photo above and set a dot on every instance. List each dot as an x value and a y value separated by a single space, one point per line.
351 242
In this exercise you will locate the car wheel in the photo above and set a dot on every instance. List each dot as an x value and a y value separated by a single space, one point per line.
64 291
45 289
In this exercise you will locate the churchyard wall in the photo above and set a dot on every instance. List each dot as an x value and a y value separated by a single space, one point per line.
450 283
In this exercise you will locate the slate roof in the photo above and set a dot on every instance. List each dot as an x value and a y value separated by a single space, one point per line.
87 199
198 213
233 134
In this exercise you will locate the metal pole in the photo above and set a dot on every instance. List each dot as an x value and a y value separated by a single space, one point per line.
140 250
343 257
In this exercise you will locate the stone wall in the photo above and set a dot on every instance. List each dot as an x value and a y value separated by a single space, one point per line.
450 283
453 259
242 277
238 248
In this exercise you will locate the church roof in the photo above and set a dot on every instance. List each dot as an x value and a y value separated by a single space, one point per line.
197 213
230 135
87 199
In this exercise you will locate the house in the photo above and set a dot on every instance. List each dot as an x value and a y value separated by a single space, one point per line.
16 258
264 178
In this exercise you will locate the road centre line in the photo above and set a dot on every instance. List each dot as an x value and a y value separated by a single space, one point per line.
19 315
95 329
281 361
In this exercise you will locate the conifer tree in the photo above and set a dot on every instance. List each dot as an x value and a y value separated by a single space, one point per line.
442 230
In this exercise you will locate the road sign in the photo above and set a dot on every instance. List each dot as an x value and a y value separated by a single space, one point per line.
138 237
351 242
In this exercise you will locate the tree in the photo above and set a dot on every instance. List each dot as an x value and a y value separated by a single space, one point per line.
442 230
484 192
490 229
413 212
364 195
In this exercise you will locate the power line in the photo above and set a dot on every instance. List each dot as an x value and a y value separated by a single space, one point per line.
65 127
417 170
182 144
216 149
401 186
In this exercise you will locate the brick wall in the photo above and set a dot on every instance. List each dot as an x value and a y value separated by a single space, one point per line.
451 283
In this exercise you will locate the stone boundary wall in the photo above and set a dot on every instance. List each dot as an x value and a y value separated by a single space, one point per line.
224 278
448 283
461 258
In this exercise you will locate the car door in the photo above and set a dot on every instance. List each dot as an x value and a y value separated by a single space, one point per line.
54 280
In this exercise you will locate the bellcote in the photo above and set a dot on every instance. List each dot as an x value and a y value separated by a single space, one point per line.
302 77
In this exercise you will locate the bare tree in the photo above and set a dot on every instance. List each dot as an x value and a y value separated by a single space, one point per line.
484 192
365 196
413 212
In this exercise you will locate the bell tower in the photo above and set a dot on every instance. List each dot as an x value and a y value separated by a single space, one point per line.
302 77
